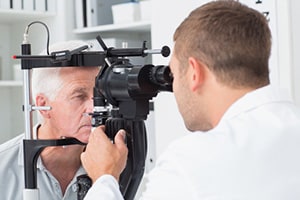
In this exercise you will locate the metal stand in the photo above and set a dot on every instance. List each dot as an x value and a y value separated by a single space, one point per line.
33 147
126 87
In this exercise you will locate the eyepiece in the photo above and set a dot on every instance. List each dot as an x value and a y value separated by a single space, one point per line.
161 74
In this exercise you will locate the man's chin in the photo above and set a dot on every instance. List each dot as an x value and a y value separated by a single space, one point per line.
84 137
83 134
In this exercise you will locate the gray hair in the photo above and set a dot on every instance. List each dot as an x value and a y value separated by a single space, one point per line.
47 81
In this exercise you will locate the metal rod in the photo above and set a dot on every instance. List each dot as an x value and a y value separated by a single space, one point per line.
27 103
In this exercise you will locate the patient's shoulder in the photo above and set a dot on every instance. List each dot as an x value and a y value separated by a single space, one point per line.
11 145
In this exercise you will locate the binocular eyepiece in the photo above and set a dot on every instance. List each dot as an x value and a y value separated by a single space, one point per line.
130 87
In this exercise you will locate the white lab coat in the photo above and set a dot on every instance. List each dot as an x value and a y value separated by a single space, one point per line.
253 153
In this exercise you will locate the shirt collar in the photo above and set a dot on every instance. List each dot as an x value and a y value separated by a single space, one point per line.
257 98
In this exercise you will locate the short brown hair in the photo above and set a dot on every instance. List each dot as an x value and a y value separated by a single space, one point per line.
233 40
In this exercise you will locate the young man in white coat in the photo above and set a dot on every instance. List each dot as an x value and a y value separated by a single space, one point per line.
246 133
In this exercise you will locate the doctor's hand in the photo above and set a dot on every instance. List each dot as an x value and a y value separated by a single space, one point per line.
102 156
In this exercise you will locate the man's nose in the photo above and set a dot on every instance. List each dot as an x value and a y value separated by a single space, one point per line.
89 105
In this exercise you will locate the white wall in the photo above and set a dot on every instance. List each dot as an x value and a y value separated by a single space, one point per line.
7 114
295 37
284 42
166 17
4 51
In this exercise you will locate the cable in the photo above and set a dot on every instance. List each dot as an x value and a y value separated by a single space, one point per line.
25 39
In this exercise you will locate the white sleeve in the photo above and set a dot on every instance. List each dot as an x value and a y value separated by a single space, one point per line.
106 187
168 180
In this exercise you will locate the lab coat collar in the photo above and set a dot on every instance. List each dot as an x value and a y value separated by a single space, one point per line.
256 98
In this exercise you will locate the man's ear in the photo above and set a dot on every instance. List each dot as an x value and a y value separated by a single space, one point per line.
41 100
197 73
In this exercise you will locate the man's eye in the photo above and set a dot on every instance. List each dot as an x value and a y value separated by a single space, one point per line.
80 97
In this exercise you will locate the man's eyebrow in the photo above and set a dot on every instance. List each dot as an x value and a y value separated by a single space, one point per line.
79 90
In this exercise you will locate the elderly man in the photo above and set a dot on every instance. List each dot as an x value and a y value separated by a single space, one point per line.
68 91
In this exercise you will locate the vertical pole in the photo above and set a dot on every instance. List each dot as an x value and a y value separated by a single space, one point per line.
26 50
28 193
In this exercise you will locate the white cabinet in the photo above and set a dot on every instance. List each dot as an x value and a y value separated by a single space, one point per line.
132 35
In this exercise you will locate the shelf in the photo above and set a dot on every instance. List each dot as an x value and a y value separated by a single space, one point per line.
10 83
9 16
142 26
